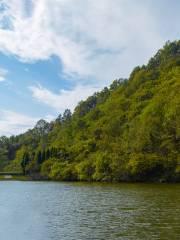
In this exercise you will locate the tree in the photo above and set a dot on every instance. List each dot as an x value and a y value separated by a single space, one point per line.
25 162
66 115
42 127
39 157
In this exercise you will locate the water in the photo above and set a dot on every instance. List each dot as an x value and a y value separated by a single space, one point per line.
75 211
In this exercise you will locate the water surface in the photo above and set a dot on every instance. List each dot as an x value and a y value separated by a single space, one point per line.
75 211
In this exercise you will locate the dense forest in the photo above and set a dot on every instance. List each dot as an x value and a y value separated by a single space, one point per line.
129 131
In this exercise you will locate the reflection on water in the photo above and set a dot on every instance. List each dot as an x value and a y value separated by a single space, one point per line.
70 211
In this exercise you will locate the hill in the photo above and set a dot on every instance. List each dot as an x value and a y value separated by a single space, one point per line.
127 132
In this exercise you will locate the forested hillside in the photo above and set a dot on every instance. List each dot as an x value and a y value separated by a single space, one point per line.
127 132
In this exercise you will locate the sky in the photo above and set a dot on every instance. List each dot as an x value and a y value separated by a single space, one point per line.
54 53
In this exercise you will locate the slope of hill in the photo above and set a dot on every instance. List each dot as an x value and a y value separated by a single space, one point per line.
127 132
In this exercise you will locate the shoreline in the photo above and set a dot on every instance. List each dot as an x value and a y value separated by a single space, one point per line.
15 178
30 179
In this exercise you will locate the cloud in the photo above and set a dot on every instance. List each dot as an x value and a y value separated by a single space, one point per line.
64 99
14 123
3 73
103 39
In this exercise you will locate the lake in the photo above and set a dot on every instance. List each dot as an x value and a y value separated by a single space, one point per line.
75 211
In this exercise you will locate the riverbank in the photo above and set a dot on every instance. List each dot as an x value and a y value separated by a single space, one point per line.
15 178
38 178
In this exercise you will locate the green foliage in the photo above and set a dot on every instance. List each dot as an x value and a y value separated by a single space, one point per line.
85 170
61 171
25 161
127 132
102 168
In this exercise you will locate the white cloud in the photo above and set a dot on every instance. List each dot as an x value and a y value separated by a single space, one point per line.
3 73
14 123
104 39
65 98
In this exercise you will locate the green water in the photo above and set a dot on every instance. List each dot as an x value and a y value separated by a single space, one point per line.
75 211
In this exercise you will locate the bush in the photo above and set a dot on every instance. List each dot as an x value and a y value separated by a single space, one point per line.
143 167
85 170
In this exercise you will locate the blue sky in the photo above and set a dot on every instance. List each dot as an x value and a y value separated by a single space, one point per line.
55 53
